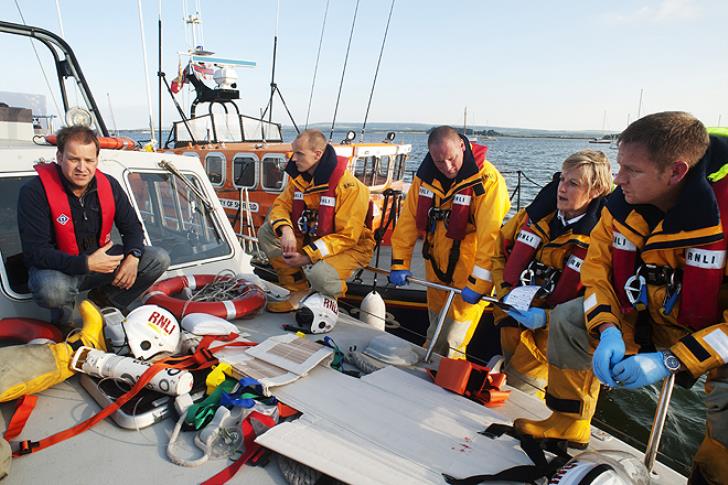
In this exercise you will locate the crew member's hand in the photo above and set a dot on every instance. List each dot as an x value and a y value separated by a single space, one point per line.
532 318
296 260
126 275
398 277
100 262
609 353
640 370
470 296
288 240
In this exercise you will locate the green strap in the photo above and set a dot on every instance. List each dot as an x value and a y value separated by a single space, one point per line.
202 412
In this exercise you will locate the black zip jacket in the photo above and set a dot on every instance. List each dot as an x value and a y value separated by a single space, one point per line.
38 236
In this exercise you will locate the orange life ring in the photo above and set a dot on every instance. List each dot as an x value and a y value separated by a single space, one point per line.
251 300
24 330
106 142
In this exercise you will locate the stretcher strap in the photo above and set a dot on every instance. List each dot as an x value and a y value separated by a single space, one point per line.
25 407
201 359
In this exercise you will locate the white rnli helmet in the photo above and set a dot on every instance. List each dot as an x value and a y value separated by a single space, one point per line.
317 313
150 329
604 468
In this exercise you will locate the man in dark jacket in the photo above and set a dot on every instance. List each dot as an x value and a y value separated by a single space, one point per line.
65 216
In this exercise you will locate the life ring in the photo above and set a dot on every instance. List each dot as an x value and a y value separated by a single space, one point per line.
251 300
106 142
24 330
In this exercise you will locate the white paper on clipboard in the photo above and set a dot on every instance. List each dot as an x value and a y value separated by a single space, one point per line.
521 297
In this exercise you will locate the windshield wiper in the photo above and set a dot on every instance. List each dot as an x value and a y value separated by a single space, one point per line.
169 166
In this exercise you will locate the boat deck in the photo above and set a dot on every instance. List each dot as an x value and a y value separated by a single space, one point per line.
109 454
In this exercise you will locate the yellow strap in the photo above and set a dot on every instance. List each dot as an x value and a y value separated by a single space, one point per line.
217 376
719 174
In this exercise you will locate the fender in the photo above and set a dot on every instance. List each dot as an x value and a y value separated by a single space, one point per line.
569 285
61 210
624 265
523 252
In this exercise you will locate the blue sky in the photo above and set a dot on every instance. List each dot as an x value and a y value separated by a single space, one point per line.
550 65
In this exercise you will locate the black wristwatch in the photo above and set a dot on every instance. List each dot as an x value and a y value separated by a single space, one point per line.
137 253
671 362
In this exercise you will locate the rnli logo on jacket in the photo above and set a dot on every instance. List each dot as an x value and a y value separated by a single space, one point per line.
63 219
461 199
425 193
705 258
574 263
298 196
326 200
621 242
528 238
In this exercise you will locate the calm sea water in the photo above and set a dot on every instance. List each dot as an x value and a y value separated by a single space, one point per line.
627 414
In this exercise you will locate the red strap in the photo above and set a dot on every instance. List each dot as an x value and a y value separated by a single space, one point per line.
250 446
201 359
25 407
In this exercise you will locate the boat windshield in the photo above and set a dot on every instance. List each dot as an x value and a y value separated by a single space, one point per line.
175 217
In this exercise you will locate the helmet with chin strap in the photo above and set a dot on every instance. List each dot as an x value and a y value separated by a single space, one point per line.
150 329
317 313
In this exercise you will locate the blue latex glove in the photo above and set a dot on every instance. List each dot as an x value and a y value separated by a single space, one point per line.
640 370
532 318
398 277
609 353
470 296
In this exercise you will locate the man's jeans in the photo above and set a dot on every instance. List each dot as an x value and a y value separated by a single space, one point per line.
57 291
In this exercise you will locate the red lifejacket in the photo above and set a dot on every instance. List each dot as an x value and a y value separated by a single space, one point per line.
569 284
624 265
523 252
61 209
457 221
702 277
327 201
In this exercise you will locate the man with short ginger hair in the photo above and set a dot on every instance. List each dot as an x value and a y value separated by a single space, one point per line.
458 200
653 275
316 230
65 217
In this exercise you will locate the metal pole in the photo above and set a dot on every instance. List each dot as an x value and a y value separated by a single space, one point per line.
438 286
653 443
440 323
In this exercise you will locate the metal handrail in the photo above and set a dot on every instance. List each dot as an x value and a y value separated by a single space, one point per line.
448 302
653 443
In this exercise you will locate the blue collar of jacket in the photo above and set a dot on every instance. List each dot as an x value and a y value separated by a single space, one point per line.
323 171
696 207
428 172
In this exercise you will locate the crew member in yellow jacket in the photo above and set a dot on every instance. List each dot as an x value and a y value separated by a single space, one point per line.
545 245
654 277
458 200
316 230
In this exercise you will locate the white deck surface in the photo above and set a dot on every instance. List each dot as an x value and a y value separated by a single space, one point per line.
389 427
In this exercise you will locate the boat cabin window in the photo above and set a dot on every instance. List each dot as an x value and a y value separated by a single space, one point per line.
273 172
176 219
364 169
244 171
215 168
382 170
399 166
15 277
